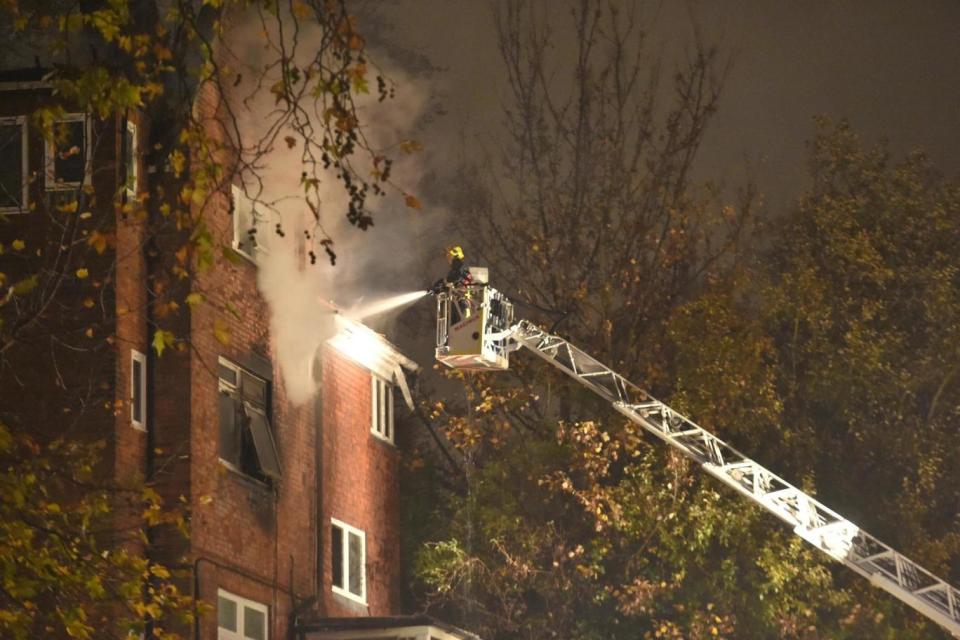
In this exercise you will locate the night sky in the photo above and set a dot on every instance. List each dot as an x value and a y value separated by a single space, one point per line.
891 67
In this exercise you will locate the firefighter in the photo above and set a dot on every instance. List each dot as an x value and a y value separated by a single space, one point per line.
458 278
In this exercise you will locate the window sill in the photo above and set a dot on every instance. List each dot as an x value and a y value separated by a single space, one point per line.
254 483
354 599
139 426
379 438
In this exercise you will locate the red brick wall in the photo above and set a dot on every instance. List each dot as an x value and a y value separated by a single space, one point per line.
359 487
252 539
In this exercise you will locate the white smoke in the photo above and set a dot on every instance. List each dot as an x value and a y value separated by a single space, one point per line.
370 264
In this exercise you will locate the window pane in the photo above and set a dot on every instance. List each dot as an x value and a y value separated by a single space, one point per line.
254 389
226 614
356 564
266 448
254 624
336 555
69 158
228 375
11 165
130 158
229 431
137 396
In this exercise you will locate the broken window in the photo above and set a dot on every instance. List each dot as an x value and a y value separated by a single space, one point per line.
381 408
246 437
348 561
67 155
13 164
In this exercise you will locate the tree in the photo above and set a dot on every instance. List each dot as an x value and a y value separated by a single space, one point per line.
78 540
566 523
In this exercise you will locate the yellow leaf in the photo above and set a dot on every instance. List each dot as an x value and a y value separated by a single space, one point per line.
98 241
88 303
300 9
18 245
69 207
82 273
88 332
410 146
411 201
193 299
221 330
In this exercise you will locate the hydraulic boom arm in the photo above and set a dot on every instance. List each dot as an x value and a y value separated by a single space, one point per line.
817 524
475 330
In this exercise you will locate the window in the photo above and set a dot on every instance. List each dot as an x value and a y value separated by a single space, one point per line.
138 390
13 165
67 155
348 561
241 619
130 159
250 231
246 437
381 409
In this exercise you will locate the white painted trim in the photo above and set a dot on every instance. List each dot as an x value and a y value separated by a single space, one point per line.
24 166
241 602
381 414
137 357
50 178
345 562
135 143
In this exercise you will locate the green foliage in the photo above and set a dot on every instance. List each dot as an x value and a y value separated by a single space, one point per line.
70 547
829 354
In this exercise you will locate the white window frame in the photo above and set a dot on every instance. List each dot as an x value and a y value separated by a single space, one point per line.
238 199
24 165
134 142
345 561
137 357
240 633
381 413
49 153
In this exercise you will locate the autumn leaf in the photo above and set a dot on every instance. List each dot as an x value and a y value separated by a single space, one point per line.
410 146
411 201
194 299
221 331
82 273
291 142
98 241
18 245
161 340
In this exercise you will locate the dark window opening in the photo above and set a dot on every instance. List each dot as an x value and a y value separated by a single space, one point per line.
11 164
67 154
246 436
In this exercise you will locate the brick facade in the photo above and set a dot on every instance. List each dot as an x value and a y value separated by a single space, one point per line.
268 542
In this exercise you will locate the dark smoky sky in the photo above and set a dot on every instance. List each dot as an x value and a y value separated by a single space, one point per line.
891 67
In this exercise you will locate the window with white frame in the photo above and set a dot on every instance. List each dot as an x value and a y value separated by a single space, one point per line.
381 408
67 154
130 159
241 619
13 165
250 231
138 390
348 561
246 437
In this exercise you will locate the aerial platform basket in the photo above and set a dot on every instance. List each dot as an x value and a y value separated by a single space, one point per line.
474 326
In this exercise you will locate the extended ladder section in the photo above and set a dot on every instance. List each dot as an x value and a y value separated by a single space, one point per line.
817 524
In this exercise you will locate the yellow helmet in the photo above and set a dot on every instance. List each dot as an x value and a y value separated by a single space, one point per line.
455 252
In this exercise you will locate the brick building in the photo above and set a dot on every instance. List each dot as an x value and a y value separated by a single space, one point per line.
294 510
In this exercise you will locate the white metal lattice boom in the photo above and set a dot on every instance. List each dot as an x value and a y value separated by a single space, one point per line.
814 522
